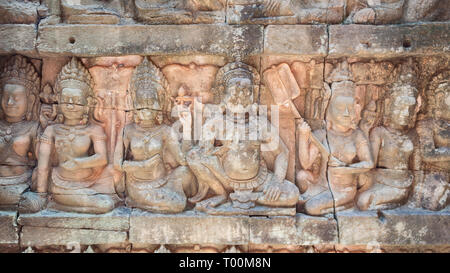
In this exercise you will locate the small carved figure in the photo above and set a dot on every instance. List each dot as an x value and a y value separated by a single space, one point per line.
394 152
19 87
180 12
234 167
348 148
433 192
151 181
72 153
395 11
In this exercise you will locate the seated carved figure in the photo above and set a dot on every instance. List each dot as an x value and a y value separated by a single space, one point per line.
153 182
234 166
393 148
433 192
72 153
349 151
19 86
395 11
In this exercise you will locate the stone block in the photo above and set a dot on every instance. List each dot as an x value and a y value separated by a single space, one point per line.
20 39
298 230
394 227
9 231
44 236
296 40
389 41
115 40
188 228
116 220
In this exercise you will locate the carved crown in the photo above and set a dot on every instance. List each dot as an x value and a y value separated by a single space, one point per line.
18 70
148 86
232 71
74 74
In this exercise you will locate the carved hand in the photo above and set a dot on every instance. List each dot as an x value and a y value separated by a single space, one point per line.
366 15
304 129
272 190
334 162
71 165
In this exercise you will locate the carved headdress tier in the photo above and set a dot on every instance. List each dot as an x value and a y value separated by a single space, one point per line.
232 71
341 78
438 91
75 75
17 70
148 87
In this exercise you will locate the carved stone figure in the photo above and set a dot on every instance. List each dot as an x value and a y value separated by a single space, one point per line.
348 147
152 181
395 11
288 12
94 11
180 12
72 153
393 146
233 167
19 86
433 192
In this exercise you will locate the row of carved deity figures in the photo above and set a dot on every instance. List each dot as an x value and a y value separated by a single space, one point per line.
211 11
154 168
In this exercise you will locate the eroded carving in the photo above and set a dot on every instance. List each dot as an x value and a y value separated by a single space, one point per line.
19 83
394 146
180 12
433 191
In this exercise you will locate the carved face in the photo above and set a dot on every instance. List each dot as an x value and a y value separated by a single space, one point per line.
239 95
402 110
342 111
14 100
146 114
72 103
443 101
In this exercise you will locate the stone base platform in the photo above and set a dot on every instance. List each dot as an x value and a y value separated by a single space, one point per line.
134 230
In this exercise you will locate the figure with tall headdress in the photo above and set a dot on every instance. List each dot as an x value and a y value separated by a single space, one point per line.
148 152
19 87
231 164
349 150
433 191
394 146
72 152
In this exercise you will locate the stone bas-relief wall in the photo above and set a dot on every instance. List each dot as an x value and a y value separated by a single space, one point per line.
339 143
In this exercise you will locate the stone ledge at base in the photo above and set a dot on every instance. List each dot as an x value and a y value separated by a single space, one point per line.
394 227
124 227
198 228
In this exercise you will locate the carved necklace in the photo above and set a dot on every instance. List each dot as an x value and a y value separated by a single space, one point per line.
7 129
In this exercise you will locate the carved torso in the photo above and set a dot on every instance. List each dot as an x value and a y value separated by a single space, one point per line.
343 147
146 144
15 143
395 150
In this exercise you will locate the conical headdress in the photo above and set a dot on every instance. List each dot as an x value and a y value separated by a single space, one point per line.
74 74
148 87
